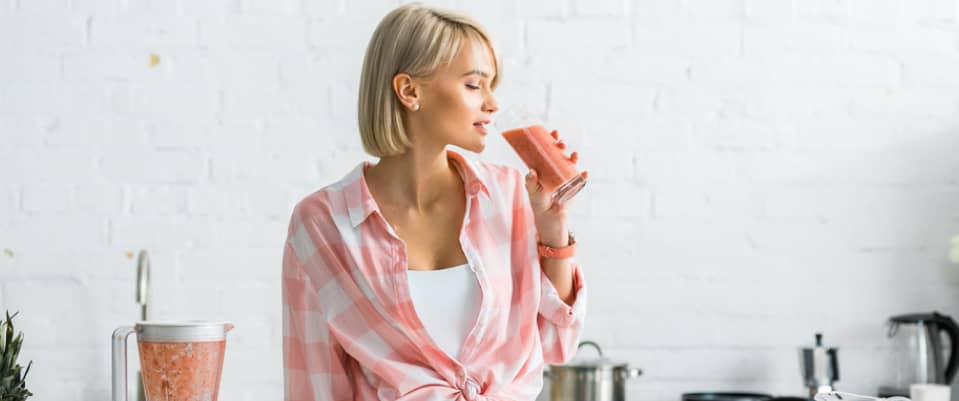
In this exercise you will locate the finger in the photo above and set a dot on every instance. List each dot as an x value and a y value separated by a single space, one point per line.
561 144
573 157
585 174
554 134
532 182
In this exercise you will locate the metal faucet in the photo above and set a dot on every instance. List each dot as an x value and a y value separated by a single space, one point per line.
143 284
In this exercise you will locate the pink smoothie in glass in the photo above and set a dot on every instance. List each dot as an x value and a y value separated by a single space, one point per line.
541 151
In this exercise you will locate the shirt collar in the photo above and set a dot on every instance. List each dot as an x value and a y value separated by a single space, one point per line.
359 200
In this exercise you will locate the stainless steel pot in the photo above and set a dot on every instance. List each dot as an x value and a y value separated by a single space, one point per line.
589 378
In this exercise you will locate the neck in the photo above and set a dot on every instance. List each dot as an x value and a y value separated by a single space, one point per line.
416 179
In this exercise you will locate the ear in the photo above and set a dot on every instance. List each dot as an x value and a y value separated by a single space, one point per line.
407 91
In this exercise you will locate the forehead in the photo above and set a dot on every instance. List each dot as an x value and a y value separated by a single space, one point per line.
473 56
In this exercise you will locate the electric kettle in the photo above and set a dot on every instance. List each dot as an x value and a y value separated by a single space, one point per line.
918 352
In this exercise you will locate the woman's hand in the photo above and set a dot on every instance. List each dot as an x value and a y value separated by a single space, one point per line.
550 218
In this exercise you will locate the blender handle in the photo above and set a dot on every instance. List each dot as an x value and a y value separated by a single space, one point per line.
120 362
952 330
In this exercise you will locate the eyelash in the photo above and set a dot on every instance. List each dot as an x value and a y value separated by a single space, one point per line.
474 87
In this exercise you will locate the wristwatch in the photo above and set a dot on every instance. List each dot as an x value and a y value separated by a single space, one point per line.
567 251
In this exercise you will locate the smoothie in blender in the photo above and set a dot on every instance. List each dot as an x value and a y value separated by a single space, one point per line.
182 371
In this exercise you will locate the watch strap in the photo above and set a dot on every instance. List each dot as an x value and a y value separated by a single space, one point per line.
567 251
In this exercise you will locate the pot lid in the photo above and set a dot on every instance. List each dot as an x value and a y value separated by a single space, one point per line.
591 361
726 396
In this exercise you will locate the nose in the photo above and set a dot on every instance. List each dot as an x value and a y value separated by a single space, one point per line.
490 105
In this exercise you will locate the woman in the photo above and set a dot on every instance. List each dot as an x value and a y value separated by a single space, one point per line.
420 277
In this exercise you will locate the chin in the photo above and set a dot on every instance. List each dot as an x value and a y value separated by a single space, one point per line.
474 149
477 147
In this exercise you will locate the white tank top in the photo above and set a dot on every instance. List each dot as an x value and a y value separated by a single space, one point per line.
447 301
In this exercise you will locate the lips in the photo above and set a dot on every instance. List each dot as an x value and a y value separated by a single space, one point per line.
481 126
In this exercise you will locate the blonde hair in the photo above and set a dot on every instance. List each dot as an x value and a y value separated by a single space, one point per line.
413 39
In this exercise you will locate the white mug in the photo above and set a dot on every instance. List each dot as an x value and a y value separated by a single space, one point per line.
929 392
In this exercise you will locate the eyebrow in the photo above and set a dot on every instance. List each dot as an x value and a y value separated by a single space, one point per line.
477 72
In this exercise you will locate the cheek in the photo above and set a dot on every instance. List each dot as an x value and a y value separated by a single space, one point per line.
449 101
457 104
472 99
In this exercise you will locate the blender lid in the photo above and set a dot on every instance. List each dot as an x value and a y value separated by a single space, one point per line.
181 323
182 331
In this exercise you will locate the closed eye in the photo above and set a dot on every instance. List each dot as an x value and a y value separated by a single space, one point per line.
474 87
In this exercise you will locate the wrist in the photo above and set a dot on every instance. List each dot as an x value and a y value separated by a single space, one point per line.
552 230
555 238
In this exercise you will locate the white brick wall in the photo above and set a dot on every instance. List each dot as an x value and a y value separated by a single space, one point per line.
761 170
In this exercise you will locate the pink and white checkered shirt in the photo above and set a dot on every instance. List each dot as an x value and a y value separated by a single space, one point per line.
350 331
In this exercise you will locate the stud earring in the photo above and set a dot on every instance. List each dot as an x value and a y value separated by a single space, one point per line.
416 106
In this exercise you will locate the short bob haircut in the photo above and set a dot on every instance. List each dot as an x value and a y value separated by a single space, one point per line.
413 39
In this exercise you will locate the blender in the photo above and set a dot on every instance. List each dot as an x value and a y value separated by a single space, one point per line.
179 361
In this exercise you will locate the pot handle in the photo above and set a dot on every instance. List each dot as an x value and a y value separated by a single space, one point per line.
630 373
593 344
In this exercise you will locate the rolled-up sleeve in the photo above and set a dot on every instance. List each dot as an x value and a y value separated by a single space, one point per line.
314 363
560 325
554 309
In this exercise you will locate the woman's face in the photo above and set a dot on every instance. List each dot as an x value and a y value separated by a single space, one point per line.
457 101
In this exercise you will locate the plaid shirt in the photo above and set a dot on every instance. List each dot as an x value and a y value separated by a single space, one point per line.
350 331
